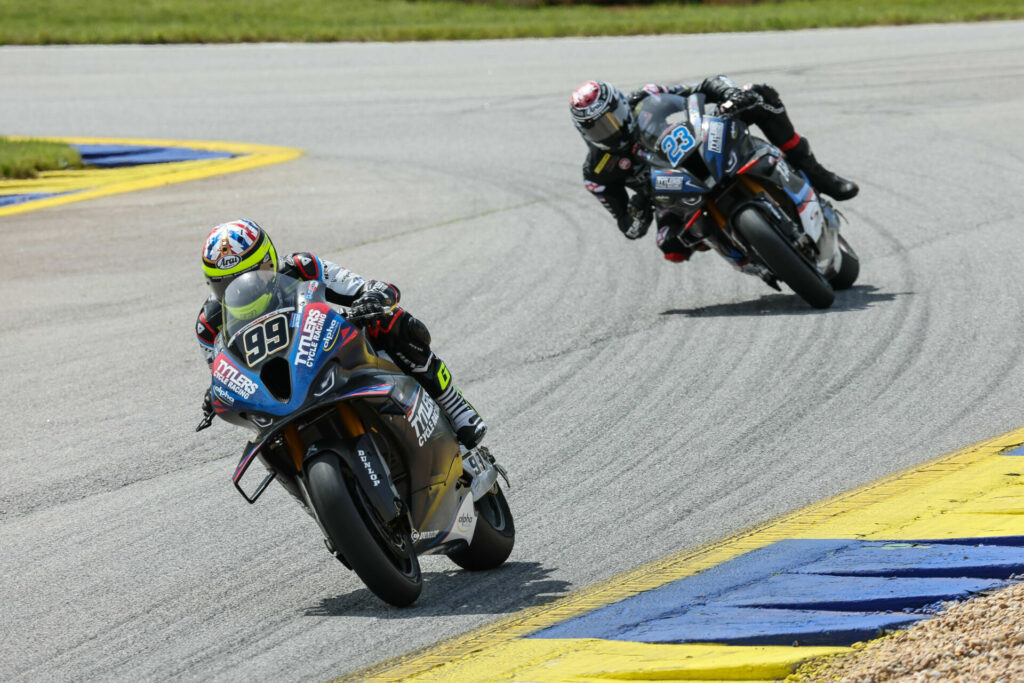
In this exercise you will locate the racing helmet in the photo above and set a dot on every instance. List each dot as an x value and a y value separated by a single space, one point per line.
234 248
602 115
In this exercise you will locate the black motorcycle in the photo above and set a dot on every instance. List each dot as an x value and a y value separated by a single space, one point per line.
736 194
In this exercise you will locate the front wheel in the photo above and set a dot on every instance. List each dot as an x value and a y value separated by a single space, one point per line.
494 536
381 554
783 259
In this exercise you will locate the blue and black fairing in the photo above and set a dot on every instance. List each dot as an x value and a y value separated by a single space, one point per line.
296 354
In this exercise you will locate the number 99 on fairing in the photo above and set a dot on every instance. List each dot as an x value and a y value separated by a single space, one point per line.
265 340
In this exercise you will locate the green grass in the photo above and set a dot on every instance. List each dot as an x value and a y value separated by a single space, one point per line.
41 22
26 158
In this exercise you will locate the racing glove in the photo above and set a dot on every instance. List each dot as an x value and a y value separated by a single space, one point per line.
639 214
372 305
738 100
649 89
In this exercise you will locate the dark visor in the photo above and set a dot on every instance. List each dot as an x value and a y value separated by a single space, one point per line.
605 128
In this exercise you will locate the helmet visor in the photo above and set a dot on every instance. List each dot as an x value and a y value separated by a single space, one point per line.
605 130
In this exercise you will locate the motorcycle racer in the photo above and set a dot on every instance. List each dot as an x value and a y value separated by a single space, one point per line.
603 115
241 246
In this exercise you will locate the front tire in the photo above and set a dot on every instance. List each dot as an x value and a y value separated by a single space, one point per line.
380 554
783 259
494 536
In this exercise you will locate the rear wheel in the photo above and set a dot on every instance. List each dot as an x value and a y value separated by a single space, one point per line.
850 268
381 554
494 536
783 259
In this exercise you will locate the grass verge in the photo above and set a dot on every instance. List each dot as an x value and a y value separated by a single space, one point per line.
41 22
26 158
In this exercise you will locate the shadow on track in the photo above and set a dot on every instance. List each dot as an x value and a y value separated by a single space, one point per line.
857 298
454 591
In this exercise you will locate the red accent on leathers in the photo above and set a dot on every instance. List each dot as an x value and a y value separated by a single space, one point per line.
377 329
676 257
793 142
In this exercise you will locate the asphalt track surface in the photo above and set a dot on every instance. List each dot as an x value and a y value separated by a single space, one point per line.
641 407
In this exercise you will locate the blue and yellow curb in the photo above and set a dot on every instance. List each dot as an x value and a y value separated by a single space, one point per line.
755 605
145 163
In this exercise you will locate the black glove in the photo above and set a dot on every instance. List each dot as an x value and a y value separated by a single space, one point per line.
369 307
650 89
639 214
737 100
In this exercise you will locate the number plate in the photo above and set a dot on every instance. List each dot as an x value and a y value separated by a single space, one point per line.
265 339
676 143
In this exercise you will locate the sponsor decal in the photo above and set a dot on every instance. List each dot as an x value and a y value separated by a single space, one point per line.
669 182
625 164
234 379
464 522
423 535
200 328
716 132
594 187
309 336
423 415
228 261
222 394
330 336
369 468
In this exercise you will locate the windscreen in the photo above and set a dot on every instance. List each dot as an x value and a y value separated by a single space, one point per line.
257 314
659 115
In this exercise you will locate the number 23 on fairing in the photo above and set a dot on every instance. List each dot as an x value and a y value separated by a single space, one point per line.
676 143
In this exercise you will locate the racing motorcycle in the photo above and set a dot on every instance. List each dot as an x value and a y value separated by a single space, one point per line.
359 444
736 194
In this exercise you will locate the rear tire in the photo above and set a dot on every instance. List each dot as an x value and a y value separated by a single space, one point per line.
850 268
381 556
783 259
494 536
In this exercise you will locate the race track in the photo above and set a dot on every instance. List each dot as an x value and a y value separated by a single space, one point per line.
640 407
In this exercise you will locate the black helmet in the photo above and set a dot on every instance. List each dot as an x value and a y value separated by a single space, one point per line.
602 115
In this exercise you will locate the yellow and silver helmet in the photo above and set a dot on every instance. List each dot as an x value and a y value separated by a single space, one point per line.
234 248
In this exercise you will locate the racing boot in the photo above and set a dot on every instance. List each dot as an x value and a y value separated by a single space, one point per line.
437 380
821 178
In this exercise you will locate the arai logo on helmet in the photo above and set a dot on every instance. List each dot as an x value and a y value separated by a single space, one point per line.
228 261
